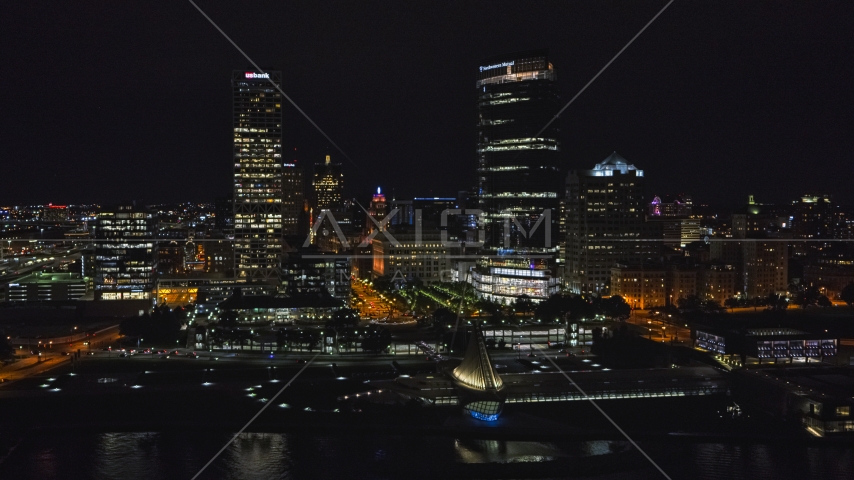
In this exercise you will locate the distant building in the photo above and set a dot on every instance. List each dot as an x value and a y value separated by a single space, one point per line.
679 207
757 249
125 253
766 265
47 287
766 345
55 213
224 215
411 256
219 254
376 212
657 284
814 217
258 178
282 309
641 286
328 185
311 271
293 199
605 223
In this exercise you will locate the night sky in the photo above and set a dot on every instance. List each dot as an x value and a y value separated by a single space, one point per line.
105 101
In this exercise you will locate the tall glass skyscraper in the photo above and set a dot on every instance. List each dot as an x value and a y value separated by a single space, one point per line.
258 196
518 175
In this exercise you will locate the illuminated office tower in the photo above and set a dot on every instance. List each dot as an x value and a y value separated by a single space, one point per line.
518 174
605 223
518 169
125 253
258 176
328 184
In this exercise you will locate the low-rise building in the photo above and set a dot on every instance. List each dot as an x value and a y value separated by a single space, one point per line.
421 255
766 345
282 310
47 287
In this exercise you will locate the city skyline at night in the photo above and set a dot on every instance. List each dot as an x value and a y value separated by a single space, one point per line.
506 240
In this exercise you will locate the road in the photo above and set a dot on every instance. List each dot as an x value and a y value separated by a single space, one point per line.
660 330
373 305
53 355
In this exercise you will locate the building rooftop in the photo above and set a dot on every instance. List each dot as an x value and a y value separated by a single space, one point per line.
241 302
45 277
614 162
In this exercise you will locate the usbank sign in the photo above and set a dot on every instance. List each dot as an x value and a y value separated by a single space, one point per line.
257 75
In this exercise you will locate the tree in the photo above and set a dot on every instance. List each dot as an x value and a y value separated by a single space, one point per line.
524 304
227 318
712 306
6 350
847 294
616 307
161 325
345 317
776 302
692 302
731 303
442 317
377 340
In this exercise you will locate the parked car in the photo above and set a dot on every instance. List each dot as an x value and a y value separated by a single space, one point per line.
192 355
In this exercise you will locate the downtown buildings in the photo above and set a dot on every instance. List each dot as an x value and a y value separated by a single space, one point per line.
518 176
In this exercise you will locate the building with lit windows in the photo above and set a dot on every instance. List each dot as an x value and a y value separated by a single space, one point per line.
766 267
376 212
678 226
328 185
518 162
55 213
310 271
258 176
423 256
293 199
641 286
125 253
502 279
656 284
605 223
47 287
766 344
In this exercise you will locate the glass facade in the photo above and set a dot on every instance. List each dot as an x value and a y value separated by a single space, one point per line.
258 175
518 173
125 256
518 167
487 410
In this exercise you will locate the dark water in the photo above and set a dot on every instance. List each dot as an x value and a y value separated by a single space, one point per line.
171 455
